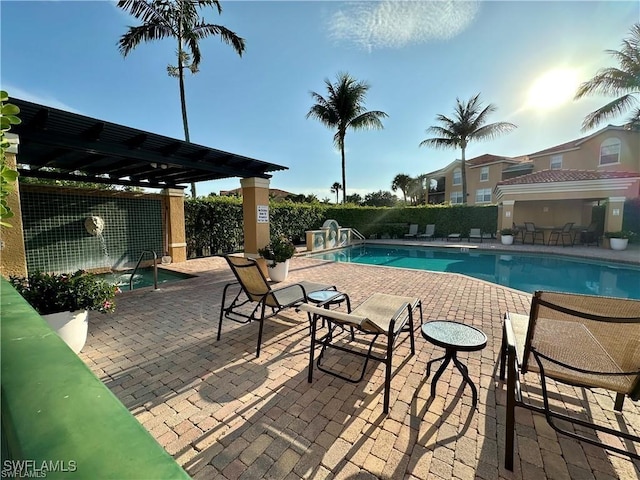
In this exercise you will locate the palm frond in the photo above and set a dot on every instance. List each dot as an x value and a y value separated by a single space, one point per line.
142 33
491 131
204 30
443 142
610 110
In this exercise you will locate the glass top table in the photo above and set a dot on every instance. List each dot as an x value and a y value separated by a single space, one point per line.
453 337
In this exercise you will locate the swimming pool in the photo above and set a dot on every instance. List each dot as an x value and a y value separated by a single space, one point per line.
526 272
143 278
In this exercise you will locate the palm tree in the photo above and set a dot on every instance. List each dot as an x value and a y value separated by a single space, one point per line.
178 19
468 124
335 188
402 182
343 108
624 81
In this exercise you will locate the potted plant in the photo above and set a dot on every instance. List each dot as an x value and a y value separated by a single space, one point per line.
277 253
619 240
506 236
64 300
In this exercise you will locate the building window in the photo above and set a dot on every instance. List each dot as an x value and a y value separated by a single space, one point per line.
456 197
483 195
457 177
610 151
555 162
484 174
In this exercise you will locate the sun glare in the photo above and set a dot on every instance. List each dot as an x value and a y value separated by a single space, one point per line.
552 89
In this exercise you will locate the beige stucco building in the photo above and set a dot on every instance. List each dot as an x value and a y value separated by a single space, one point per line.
553 186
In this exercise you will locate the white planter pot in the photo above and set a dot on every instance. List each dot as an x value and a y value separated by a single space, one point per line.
506 239
279 272
72 327
618 243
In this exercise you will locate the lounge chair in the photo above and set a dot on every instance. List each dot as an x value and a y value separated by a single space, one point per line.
255 295
429 232
590 235
530 229
475 234
379 315
453 237
562 233
413 231
581 340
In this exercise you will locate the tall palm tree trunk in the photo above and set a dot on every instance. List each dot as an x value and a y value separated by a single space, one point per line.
344 172
464 173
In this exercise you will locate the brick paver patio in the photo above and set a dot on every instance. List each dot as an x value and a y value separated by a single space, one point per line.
223 414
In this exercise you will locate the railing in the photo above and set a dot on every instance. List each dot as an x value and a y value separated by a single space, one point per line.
357 234
155 269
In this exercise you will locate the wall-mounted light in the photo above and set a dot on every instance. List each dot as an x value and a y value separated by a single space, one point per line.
163 166
154 165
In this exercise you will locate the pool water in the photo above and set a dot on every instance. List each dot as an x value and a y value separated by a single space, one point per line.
526 272
143 278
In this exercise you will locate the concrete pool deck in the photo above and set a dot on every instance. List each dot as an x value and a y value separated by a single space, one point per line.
223 414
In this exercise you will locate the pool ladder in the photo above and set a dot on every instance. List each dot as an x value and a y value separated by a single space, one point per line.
155 269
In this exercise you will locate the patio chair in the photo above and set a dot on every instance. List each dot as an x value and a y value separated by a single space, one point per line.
530 229
562 233
429 232
475 234
580 340
590 235
517 230
256 295
380 315
413 231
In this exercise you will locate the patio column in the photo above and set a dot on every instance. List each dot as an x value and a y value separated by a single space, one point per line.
255 209
13 255
176 240
613 215
506 219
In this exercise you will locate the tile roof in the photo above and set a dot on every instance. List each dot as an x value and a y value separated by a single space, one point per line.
488 158
554 176
573 143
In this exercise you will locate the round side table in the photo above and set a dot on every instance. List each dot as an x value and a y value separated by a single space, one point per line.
454 337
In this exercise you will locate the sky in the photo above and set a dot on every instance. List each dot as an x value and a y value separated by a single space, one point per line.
418 57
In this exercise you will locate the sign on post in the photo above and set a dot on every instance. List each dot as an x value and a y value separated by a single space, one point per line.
263 213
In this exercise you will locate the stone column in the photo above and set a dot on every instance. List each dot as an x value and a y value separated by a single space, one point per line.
255 209
613 215
13 256
176 238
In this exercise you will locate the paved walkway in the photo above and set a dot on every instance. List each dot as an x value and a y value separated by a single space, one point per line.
223 414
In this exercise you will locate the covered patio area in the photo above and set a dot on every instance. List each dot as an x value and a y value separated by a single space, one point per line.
222 413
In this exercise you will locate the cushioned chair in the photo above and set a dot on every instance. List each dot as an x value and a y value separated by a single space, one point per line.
413 231
565 233
517 230
380 315
429 232
252 295
530 229
581 340
475 234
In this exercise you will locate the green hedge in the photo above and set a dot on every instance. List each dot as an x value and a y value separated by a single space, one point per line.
214 224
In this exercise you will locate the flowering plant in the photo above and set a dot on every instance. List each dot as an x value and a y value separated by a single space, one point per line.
53 293
279 250
621 234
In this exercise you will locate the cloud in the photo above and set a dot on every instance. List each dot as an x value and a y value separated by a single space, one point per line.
395 24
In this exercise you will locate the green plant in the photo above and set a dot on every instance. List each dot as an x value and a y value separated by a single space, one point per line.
8 175
52 293
279 250
507 231
621 234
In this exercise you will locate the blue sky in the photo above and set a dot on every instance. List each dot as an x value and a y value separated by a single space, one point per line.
417 57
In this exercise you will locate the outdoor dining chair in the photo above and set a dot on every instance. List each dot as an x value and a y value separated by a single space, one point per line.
253 295
475 234
562 233
581 340
590 235
530 229
381 315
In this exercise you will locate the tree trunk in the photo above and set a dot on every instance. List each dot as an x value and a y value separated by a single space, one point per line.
183 100
344 173
463 170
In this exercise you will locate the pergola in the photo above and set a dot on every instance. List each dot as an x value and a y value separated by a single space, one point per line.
60 145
